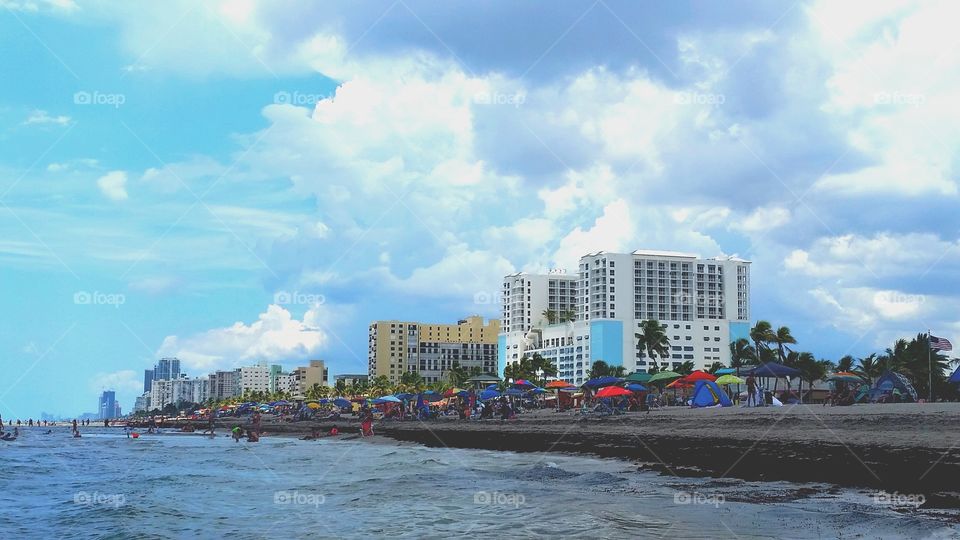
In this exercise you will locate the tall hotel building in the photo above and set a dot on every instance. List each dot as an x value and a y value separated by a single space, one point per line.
703 304
431 349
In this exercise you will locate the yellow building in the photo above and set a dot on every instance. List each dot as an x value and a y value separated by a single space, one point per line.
306 376
432 349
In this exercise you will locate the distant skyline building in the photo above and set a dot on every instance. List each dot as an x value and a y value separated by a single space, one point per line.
395 347
107 406
703 305
166 369
306 376
147 379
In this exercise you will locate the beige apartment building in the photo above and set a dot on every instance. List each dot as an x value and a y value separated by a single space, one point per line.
431 349
307 376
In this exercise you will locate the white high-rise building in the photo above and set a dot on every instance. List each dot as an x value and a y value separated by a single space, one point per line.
253 378
703 304
526 297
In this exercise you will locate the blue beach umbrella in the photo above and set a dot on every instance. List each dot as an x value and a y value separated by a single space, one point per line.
388 399
404 396
600 382
634 387
489 394
516 392
538 391
342 403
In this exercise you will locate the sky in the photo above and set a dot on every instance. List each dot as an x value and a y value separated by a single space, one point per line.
231 182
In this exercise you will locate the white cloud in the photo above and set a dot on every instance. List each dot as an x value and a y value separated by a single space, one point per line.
124 381
275 337
762 219
42 117
113 185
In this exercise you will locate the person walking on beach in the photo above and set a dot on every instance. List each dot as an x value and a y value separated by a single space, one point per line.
366 423
751 391
210 424
256 422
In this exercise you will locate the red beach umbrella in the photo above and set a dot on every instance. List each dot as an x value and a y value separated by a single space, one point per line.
612 391
698 375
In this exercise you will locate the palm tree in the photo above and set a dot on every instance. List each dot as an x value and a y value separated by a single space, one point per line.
741 352
653 340
598 369
550 315
569 315
543 368
685 368
715 366
761 334
783 337
340 387
617 371
870 368
457 374
811 369
846 363
412 381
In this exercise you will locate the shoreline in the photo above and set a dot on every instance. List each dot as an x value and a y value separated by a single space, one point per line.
906 449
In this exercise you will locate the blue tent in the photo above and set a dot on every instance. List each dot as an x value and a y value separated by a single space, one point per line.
600 382
955 378
890 381
708 394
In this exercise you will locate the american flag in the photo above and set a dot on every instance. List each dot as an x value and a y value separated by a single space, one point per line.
940 344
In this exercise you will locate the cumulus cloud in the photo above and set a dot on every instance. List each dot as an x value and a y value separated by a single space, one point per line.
274 337
126 381
113 185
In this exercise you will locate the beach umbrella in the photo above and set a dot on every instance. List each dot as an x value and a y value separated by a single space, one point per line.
699 375
680 383
664 376
558 384
600 382
404 396
516 392
389 399
728 379
612 391
635 387
342 403
638 377
313 405
724 371
523 382
844 378
538 391
452 392
431 396
489 394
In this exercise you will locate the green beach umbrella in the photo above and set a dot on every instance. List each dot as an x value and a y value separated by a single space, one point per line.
729 379
639 376
664 376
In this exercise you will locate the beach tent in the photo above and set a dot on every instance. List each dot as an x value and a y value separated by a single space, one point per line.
955 378
890 381
708 394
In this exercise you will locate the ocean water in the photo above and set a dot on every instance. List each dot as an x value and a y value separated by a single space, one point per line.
105 485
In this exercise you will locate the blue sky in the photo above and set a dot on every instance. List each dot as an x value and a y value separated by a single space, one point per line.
236 181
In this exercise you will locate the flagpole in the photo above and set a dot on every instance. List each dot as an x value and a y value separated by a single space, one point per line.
929 368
